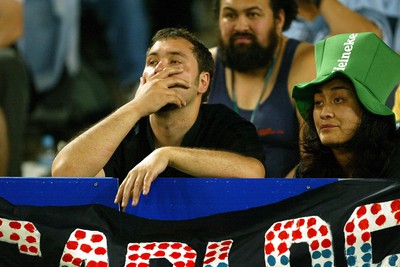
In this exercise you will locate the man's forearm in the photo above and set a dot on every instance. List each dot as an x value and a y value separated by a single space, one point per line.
341 19
192 161
88 153
213 163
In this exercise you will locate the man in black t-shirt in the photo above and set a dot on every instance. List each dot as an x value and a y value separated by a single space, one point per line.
165 130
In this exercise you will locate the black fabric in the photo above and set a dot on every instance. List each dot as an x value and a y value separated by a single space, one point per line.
334 204
393 170
217 127
14 101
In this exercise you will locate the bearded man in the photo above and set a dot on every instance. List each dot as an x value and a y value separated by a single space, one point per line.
256 69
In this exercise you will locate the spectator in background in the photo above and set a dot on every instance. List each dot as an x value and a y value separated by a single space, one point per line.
389 8
14 89
349 131
166 131
256 69
50 48
50 44
127 31
318 19
70 91
396 44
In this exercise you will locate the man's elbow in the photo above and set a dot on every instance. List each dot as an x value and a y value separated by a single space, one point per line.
65 168
256 170
259 170
60 169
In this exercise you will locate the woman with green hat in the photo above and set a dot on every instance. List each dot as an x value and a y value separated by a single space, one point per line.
349 131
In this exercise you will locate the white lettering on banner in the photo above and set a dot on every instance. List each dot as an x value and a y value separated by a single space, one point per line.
365 220
179 254
84 246
22 233
311 230
91 246
217 253
348 47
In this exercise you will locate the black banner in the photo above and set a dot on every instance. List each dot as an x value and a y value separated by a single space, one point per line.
348 223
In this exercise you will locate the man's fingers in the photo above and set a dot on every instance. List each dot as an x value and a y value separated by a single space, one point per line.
125 189
176 83
171 71
118 196
120 191
176 99
142 81
137 189
148 179
165 73
126 194
135 200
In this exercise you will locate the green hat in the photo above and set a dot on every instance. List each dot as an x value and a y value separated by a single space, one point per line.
372 66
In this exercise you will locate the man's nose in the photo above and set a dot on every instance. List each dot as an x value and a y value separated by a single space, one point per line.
242 24
159 67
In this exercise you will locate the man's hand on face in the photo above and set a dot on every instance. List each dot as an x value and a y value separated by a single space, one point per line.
155 92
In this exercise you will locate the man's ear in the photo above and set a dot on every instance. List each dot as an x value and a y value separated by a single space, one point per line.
280 21
204 82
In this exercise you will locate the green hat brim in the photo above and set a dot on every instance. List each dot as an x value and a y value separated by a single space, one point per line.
303 94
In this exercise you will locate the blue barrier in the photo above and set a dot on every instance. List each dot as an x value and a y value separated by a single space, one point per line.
188 198
47 191
169 198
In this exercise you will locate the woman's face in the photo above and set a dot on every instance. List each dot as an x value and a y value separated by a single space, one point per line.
337 112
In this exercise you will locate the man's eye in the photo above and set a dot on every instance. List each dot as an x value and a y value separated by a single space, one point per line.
152 62
229 15
175 62
252 15
338 100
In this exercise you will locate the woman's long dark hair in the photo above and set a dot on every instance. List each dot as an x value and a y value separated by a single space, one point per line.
372 146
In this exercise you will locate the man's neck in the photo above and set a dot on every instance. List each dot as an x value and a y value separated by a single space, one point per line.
259 72
169 128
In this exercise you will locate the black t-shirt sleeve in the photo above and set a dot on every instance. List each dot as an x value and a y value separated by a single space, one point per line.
112 167
226 130
242 138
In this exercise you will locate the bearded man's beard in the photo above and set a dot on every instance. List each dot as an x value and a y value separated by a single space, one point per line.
246 57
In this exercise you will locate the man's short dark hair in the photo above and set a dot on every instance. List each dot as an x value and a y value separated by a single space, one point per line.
200 51
289 6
